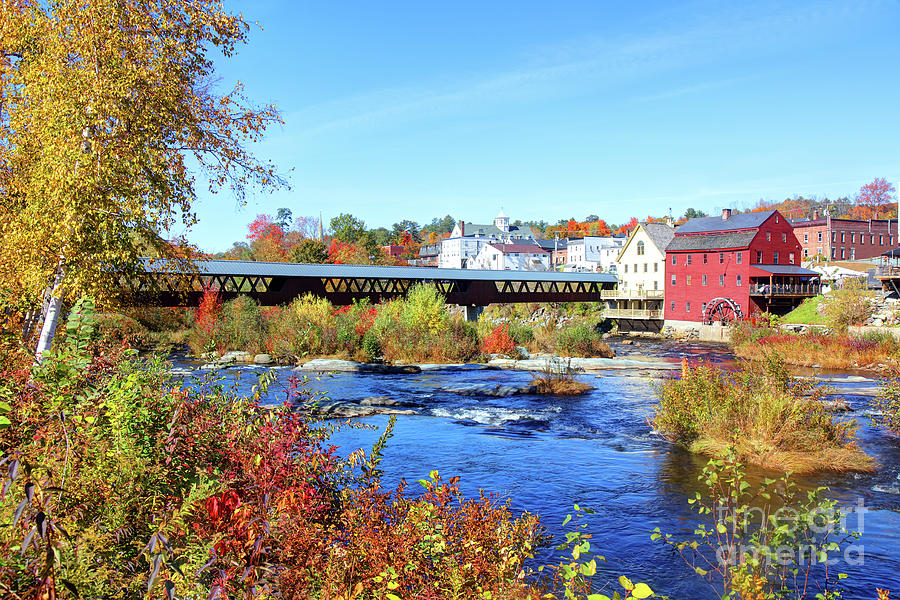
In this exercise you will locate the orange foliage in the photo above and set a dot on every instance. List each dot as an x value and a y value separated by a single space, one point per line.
499 341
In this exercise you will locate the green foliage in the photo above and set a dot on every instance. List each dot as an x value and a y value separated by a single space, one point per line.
309 251
578 339
575 574
118 327
240 325
347 228
418 328
887 405
768 417
764 540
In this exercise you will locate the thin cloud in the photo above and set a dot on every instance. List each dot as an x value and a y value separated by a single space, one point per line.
587 65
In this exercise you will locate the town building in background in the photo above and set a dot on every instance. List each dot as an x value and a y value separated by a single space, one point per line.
511 257
467 239
427 256
558 249
641 263
592 253
728 267
844 239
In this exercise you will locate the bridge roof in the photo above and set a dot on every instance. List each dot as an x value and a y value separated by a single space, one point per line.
272 269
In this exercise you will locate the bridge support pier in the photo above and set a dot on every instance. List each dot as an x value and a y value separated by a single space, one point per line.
472 312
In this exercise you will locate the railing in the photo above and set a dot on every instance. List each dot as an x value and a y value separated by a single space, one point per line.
633 294
785 289
632 313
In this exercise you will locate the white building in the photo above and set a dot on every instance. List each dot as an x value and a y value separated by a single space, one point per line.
467 239
511 257
594 253
641 264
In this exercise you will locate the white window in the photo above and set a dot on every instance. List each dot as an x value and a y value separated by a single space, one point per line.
737 280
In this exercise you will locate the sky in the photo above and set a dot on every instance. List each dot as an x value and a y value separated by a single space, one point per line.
552 110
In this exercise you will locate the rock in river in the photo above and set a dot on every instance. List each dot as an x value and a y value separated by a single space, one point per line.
326 365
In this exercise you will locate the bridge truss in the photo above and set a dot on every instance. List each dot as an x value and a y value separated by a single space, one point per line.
279 283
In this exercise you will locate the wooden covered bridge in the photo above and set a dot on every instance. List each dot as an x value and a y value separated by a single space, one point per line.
279 283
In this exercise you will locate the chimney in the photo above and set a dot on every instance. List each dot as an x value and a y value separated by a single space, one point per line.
462 229
670 222
726 213
815 215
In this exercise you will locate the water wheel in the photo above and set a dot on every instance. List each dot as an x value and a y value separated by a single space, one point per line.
724 310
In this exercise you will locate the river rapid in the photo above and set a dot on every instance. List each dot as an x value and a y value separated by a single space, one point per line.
597 450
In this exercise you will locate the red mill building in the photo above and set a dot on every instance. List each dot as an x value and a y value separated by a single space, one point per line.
722 268
845 239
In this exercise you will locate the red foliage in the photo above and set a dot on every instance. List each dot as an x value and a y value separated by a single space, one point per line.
208 312
628 227
499 341
875 194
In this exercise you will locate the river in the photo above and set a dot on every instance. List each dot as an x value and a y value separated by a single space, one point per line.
598 450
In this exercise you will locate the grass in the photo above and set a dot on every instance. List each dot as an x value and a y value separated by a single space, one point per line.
762 414
558 379
807 313
878 352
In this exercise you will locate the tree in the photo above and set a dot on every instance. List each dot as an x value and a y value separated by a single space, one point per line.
309 251
440 225
347 228
81 169
591 219
283 217
406 226
692 213
872 197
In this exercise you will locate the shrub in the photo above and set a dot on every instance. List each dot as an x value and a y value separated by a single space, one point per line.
762 539
117 483
558 379
887 403
849 305
240 326
122 329
579 339
419 329
769 418
202 338
499 341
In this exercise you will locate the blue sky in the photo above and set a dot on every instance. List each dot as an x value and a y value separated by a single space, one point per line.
415 110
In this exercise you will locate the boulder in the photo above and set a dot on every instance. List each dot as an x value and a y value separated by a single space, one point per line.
327 365
233 356
836 406
262 359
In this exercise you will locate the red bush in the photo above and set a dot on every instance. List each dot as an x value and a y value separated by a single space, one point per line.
499 341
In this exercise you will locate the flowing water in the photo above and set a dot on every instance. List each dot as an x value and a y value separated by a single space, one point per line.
598 450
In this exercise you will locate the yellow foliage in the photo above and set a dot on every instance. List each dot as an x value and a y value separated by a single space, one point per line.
104 105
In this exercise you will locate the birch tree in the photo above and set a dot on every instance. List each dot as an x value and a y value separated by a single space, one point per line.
108 111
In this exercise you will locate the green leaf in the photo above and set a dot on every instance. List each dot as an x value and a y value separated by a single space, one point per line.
4 407
720 527
626 583
597 597
4 422
392 596
641 590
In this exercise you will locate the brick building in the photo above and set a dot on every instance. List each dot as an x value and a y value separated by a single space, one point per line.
845 239
747 263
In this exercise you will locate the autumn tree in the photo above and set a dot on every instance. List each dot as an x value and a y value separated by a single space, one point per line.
871 199
104 104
